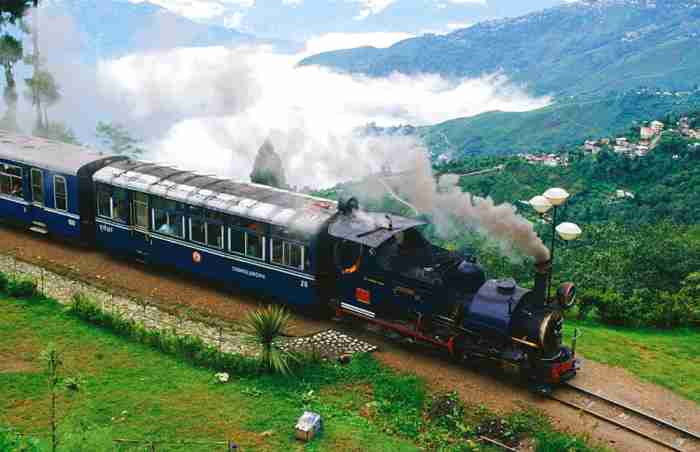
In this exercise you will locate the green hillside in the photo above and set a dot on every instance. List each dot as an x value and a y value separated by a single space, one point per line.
548 129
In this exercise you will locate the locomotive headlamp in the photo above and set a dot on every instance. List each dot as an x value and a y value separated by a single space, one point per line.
540 204
568 231
556 196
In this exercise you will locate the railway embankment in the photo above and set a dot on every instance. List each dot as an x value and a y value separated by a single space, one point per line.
219 334
142 311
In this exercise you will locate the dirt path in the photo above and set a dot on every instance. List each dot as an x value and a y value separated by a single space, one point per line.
179 293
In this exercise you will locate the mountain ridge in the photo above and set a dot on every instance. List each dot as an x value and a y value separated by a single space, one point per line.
113 28
575 48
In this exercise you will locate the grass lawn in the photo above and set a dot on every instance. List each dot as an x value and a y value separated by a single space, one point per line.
133 392
666 358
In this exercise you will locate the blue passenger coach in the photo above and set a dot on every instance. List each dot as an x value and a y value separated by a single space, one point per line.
47 185
242 234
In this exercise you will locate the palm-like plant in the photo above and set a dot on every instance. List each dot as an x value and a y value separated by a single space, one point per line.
262 327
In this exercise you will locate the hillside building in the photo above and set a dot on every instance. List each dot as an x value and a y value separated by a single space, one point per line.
646 133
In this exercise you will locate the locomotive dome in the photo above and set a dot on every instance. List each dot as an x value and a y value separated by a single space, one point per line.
279 207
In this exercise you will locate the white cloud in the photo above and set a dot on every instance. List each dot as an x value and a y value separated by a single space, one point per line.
235 20
459 25
462 2
335 41
292 2
200 9
369 7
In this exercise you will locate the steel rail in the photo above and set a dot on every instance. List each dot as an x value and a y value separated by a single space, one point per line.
618 424
637 411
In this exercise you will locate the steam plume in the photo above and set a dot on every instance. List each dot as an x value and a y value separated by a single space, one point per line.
452 209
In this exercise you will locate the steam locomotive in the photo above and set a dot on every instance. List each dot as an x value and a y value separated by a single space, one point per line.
306 251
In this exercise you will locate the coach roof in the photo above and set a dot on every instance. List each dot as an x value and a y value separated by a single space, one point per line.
254 201
53 155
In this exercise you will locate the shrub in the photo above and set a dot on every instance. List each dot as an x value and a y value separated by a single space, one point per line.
262 327
21 287
618 309
447 410
552 441
644 307
4 281
11 440
586 303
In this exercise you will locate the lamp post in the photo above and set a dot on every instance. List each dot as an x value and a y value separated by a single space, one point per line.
555 198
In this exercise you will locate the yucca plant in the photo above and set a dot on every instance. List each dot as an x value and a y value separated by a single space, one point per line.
262 327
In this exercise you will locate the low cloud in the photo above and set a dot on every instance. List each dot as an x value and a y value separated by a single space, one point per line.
335 41
232 100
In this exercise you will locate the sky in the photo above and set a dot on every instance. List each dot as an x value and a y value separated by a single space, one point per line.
301 19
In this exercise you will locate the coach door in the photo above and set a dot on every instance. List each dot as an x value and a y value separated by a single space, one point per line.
139 214
38 194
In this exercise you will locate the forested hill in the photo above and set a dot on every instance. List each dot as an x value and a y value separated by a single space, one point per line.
565 123
581 47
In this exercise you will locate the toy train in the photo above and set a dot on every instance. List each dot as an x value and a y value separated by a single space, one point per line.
306 251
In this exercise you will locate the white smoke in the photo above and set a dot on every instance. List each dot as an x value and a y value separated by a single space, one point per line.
452 210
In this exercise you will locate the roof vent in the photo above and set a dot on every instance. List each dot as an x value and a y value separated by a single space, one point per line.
505 286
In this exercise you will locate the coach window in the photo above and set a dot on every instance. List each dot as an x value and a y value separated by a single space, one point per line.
60 193
288 248
197 225
140 209
168 217
288 253
11 180
120 205
37 177
215 229
246 237
104 201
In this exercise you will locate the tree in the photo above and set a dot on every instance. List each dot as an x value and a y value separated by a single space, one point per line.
10 54
262 327
118 139
268 169
12 11
43 92
58 131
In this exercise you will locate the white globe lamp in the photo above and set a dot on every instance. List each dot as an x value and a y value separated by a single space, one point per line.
556 196
540 204
569 231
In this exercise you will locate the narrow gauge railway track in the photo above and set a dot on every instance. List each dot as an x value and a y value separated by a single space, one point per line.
634 420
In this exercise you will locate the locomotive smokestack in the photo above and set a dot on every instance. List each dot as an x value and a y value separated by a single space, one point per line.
542 271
